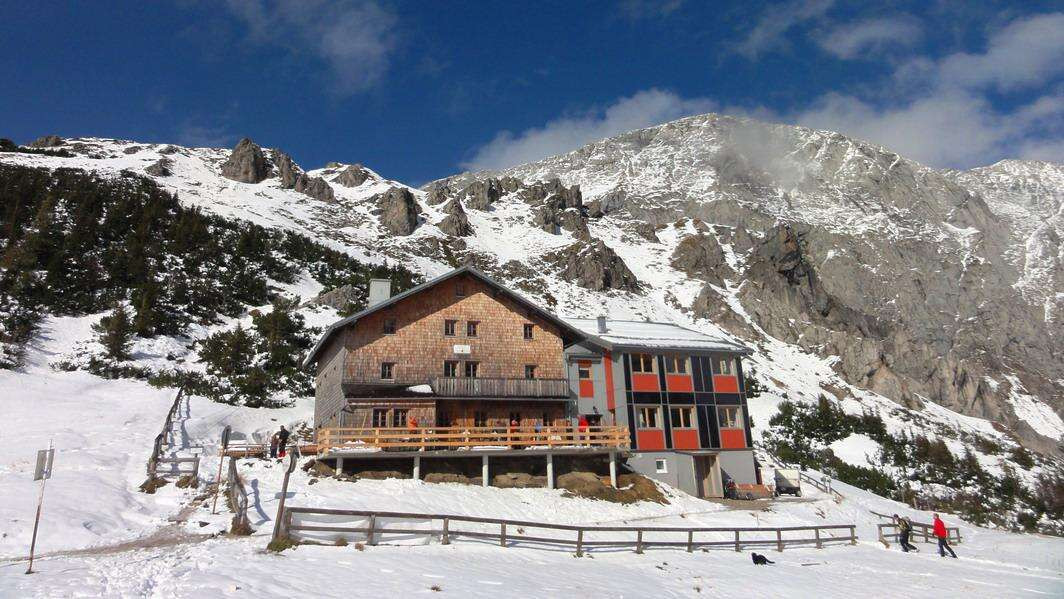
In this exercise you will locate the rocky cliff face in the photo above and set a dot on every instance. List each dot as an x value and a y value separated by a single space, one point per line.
928 286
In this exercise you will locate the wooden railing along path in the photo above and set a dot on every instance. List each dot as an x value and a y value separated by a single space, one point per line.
166 439
238 495
464 437
295 524
822 486
920 529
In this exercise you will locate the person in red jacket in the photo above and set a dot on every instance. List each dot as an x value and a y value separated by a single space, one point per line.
943 538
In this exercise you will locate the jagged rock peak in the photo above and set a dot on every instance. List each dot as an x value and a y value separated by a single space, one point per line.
593 265
456 223
246 164
398 210
700 256
47 141
353 176
286 169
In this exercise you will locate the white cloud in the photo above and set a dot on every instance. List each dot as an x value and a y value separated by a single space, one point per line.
354 38
775 22
644 109
853 40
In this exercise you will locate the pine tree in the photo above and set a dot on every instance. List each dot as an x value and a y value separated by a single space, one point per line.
116 333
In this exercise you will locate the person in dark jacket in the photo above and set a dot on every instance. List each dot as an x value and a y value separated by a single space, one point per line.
282 441
943 538
905 529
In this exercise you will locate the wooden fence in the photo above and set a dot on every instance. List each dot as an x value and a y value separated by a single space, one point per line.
166 439
458 437
238 495
302 524
890 531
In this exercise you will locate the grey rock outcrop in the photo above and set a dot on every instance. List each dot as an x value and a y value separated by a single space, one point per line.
287 171
438 192
593 265
162 167
700 256
338 298
480 195
456 223
47 141
169 149
398 210
315 187
132 150
353 176
246 164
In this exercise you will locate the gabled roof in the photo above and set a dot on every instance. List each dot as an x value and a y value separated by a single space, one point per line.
653 336
569 332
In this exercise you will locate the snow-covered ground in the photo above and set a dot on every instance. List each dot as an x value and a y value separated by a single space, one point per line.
103 432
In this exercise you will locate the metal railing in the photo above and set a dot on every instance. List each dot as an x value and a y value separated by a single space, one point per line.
237 494
458 437
296 525
166 439
499 387
823 485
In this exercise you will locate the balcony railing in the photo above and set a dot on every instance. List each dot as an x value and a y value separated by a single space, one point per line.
470 437
499 387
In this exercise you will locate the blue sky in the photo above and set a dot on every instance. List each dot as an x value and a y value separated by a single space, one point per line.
419 89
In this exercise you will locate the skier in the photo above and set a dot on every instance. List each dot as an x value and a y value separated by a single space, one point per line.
273 446
282 441
943 538
905 528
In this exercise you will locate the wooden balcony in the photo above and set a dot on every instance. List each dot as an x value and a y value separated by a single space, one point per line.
498 387
458 437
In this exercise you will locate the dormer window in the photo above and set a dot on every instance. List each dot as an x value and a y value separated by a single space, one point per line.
388 327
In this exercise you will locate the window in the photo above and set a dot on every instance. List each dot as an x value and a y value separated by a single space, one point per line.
448 327
450 368
583 371
471 328
648 418
642 363
530 371
661 466
682 417
459 289
387 371
725 366
729 417
676 364
380 417
529 328
399 418
480 418
471 369
388 327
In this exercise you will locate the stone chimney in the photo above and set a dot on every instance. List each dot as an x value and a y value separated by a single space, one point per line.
379 290
602 324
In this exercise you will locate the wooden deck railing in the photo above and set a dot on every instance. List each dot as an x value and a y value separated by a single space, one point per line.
499 387
459 437
301 524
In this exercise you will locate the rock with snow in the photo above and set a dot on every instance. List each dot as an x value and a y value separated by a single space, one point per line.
702 257
456 223
399 210
593 265
47 141
246 163
353 176
160 168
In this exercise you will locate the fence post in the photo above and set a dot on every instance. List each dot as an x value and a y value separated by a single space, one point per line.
779 540
369 533
853 535
819 544
580 543
737 548
485 482
639 541
502 535
690 541
446 540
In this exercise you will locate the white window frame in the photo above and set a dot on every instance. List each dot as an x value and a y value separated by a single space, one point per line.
661 466
738 417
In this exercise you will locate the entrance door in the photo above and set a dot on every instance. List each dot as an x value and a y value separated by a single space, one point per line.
708 473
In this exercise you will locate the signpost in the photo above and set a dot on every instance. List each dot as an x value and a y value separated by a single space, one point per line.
42 472
284 492
228 430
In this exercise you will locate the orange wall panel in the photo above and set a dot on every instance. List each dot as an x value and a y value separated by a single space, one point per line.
650 439
732 438
725 383
587 388
645 382
680 382
685 438
611 403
